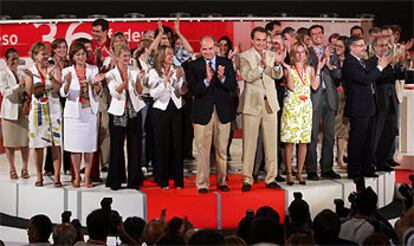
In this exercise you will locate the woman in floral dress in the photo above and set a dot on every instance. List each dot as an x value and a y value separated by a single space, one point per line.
296 125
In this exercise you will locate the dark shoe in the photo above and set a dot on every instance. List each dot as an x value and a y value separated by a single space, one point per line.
280 179
246 187
385 167
371 175
354 175
255 179
313 176
300 178
393 163
223 188
203 191
331 175
104 169
273 185
82 170
116 187
98 180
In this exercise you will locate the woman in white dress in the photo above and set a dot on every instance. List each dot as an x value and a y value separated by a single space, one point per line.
14 122
45 116
81 84
125 86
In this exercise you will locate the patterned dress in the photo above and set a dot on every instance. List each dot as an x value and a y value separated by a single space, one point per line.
45 117
296 123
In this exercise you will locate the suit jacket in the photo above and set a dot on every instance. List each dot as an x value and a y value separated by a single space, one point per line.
117 105
359 82
12 95
258 85
72 104
385 85
216 94
329 78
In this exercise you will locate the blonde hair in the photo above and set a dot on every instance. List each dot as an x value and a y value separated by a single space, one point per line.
294 49
159 57
117 35
36 48
121 48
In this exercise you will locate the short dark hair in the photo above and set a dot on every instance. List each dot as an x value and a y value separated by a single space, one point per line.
43 225
268 212
269 26
396 28
314 27
98 224
386 27
366 201
265 230
326 227
10 51
74 48
134 226
83 40
206 237
356 27
257 29
55 44
351 40
333 36
101 22
289 30
302 31
374 29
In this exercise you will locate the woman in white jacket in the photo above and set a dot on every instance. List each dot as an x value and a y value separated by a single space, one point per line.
14 118
125 87
81 85
165 82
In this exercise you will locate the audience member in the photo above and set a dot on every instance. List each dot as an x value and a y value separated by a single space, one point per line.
39 230
64 234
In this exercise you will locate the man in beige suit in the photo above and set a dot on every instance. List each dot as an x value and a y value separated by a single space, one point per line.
259 106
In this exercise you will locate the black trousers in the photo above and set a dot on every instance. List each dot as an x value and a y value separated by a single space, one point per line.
116 170
168 136
359 145
385 131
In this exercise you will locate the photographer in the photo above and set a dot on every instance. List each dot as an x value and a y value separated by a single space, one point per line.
363 219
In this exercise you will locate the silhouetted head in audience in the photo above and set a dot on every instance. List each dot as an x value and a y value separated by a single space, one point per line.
171 239
64 234
244 226
300 239
134 226
326 227
98 224
234 240
376 239
265 230
366 202
268 212
153 231
79 231
174 225
206 237
298 219
39 229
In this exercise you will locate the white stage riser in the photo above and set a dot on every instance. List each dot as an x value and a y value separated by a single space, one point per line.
21 199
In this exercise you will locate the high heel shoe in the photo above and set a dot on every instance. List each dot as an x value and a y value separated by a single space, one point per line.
289 180
300 178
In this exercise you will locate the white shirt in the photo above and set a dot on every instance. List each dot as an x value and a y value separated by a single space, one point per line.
10 91
161 93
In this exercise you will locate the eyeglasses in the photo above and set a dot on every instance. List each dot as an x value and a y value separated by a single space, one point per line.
359 45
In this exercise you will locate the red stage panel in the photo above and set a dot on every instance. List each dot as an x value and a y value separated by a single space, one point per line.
401 176
200 209
235 203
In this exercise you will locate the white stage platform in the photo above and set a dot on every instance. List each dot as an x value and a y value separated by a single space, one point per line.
22 199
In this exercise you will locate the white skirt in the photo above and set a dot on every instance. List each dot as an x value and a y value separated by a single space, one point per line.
81 134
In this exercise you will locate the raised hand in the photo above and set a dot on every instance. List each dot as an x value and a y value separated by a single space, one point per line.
168 76
384 61
177 25
98 78
321 64
220 72
160 29
179 73
280 57
68 78
209 73
263 58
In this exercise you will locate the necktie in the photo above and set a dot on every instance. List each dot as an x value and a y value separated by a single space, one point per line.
210 64
363 64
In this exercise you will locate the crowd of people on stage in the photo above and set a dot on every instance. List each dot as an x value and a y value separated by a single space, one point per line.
81 102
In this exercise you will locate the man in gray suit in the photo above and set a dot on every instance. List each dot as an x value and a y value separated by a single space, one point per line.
324 103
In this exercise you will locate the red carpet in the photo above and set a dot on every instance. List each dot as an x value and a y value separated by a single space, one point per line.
203 209
401 176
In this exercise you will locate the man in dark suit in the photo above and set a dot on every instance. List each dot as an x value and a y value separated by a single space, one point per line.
325 104
211 80
386 122
360 105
